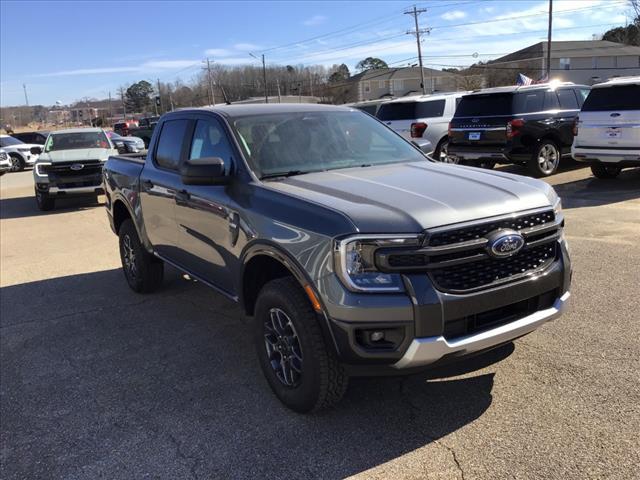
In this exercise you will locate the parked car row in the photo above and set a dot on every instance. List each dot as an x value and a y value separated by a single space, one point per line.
533 125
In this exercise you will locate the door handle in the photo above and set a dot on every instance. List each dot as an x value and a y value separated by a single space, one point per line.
182 197
147 184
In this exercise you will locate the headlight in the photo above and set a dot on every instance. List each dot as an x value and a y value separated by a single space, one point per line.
355 265
38 168
557 207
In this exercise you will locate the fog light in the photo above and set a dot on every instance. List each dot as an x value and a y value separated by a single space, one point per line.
376 336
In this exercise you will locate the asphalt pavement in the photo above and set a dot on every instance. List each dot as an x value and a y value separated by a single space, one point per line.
99 382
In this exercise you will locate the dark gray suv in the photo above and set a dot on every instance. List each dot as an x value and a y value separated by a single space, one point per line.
353 252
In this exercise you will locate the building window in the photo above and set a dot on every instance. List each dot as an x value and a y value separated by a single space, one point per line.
565 64
382 84
366 86
594 62
615 62
398 85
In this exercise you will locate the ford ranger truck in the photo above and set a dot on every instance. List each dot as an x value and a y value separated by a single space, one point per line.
353 253
70 165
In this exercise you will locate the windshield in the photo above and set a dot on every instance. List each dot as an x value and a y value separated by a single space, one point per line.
73 141
9 141
305 142
482 105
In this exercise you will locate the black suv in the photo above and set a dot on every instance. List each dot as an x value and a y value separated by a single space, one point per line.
35 138
529 125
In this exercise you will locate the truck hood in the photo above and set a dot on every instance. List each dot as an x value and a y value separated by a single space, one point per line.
78 155
411 197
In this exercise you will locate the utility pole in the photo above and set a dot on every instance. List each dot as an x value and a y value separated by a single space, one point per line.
415 12
278 85
264 76
110 113
213 98
159 95
26 98
124 105
549 42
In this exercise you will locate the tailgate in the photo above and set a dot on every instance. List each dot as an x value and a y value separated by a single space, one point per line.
470 131
618 129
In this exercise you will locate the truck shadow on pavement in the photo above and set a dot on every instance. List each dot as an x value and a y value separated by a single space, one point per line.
100 382
592 192
24 207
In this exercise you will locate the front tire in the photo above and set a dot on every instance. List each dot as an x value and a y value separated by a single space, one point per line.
44 201
545 159
302 372
605 171
17 163
143 271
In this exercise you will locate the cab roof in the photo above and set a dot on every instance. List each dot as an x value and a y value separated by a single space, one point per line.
241 110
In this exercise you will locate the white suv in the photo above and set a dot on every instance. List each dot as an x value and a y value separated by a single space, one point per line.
423 117
607 131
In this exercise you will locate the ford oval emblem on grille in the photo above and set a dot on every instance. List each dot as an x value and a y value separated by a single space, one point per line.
614 115
475 120
504 243
77 166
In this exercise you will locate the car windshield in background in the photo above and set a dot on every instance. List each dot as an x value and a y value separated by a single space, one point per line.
73 141
315 141
9 142
623 97
411 110
485 105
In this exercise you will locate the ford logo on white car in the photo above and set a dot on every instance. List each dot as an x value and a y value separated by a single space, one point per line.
505 243
77 166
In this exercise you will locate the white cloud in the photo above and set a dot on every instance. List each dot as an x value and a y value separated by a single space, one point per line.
247 47
151 66
315 20
453 15
218 52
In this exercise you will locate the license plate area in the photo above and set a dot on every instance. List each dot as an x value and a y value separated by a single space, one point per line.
474 135
613 133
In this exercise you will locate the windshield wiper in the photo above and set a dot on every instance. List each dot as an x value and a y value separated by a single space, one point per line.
290 173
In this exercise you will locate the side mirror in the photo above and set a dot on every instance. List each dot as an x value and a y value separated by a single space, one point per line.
36 150
204 171
121 147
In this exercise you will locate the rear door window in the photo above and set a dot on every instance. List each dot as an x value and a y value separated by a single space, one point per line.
622 97
485 105
397 111
529 102
568 100
169 150
551 101
433 108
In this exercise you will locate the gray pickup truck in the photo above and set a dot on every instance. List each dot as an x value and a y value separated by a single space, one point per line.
353 252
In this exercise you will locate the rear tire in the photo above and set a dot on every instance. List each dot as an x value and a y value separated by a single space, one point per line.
44 201
545 160
303 373
143 271
605 171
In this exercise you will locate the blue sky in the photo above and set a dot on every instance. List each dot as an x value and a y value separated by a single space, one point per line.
70 50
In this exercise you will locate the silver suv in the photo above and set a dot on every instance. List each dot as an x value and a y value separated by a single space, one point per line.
423 117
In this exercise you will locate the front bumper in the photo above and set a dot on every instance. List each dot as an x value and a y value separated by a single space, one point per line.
425 351
431 327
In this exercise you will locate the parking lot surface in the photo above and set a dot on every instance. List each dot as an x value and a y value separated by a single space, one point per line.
99 382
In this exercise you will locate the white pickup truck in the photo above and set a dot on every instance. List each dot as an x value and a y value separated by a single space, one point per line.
70 164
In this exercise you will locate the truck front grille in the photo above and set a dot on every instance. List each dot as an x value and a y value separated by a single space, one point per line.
457 258
470 276
73 169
